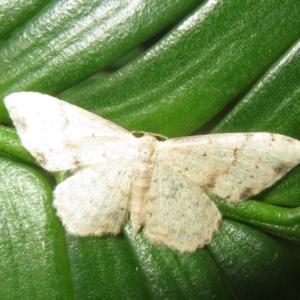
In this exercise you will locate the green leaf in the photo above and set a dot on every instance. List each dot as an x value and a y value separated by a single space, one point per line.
71 40
280 221
223 54
14 13
141 270
34 262
197 69
10 145
241 252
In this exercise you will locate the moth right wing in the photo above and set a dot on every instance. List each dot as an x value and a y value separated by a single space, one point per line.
178 213
62 136
95 200
233 166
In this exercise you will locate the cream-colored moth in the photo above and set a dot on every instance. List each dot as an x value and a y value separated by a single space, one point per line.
163 185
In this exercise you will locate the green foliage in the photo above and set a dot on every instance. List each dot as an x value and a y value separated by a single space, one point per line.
225 66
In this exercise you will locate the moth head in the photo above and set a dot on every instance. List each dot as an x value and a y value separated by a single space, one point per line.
157 136
147 147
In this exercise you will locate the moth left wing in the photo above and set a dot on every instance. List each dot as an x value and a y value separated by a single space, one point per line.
95 200
233 166
178 213
62 136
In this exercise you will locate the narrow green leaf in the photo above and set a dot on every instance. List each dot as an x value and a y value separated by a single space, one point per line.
175 275
197 69
273 104
11 145
255 266
72 40
34 262
280 221
105 268
14 13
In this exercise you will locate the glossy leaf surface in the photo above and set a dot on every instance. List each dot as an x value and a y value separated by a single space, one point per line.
224 52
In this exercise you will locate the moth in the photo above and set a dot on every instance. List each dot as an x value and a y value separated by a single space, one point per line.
163 185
